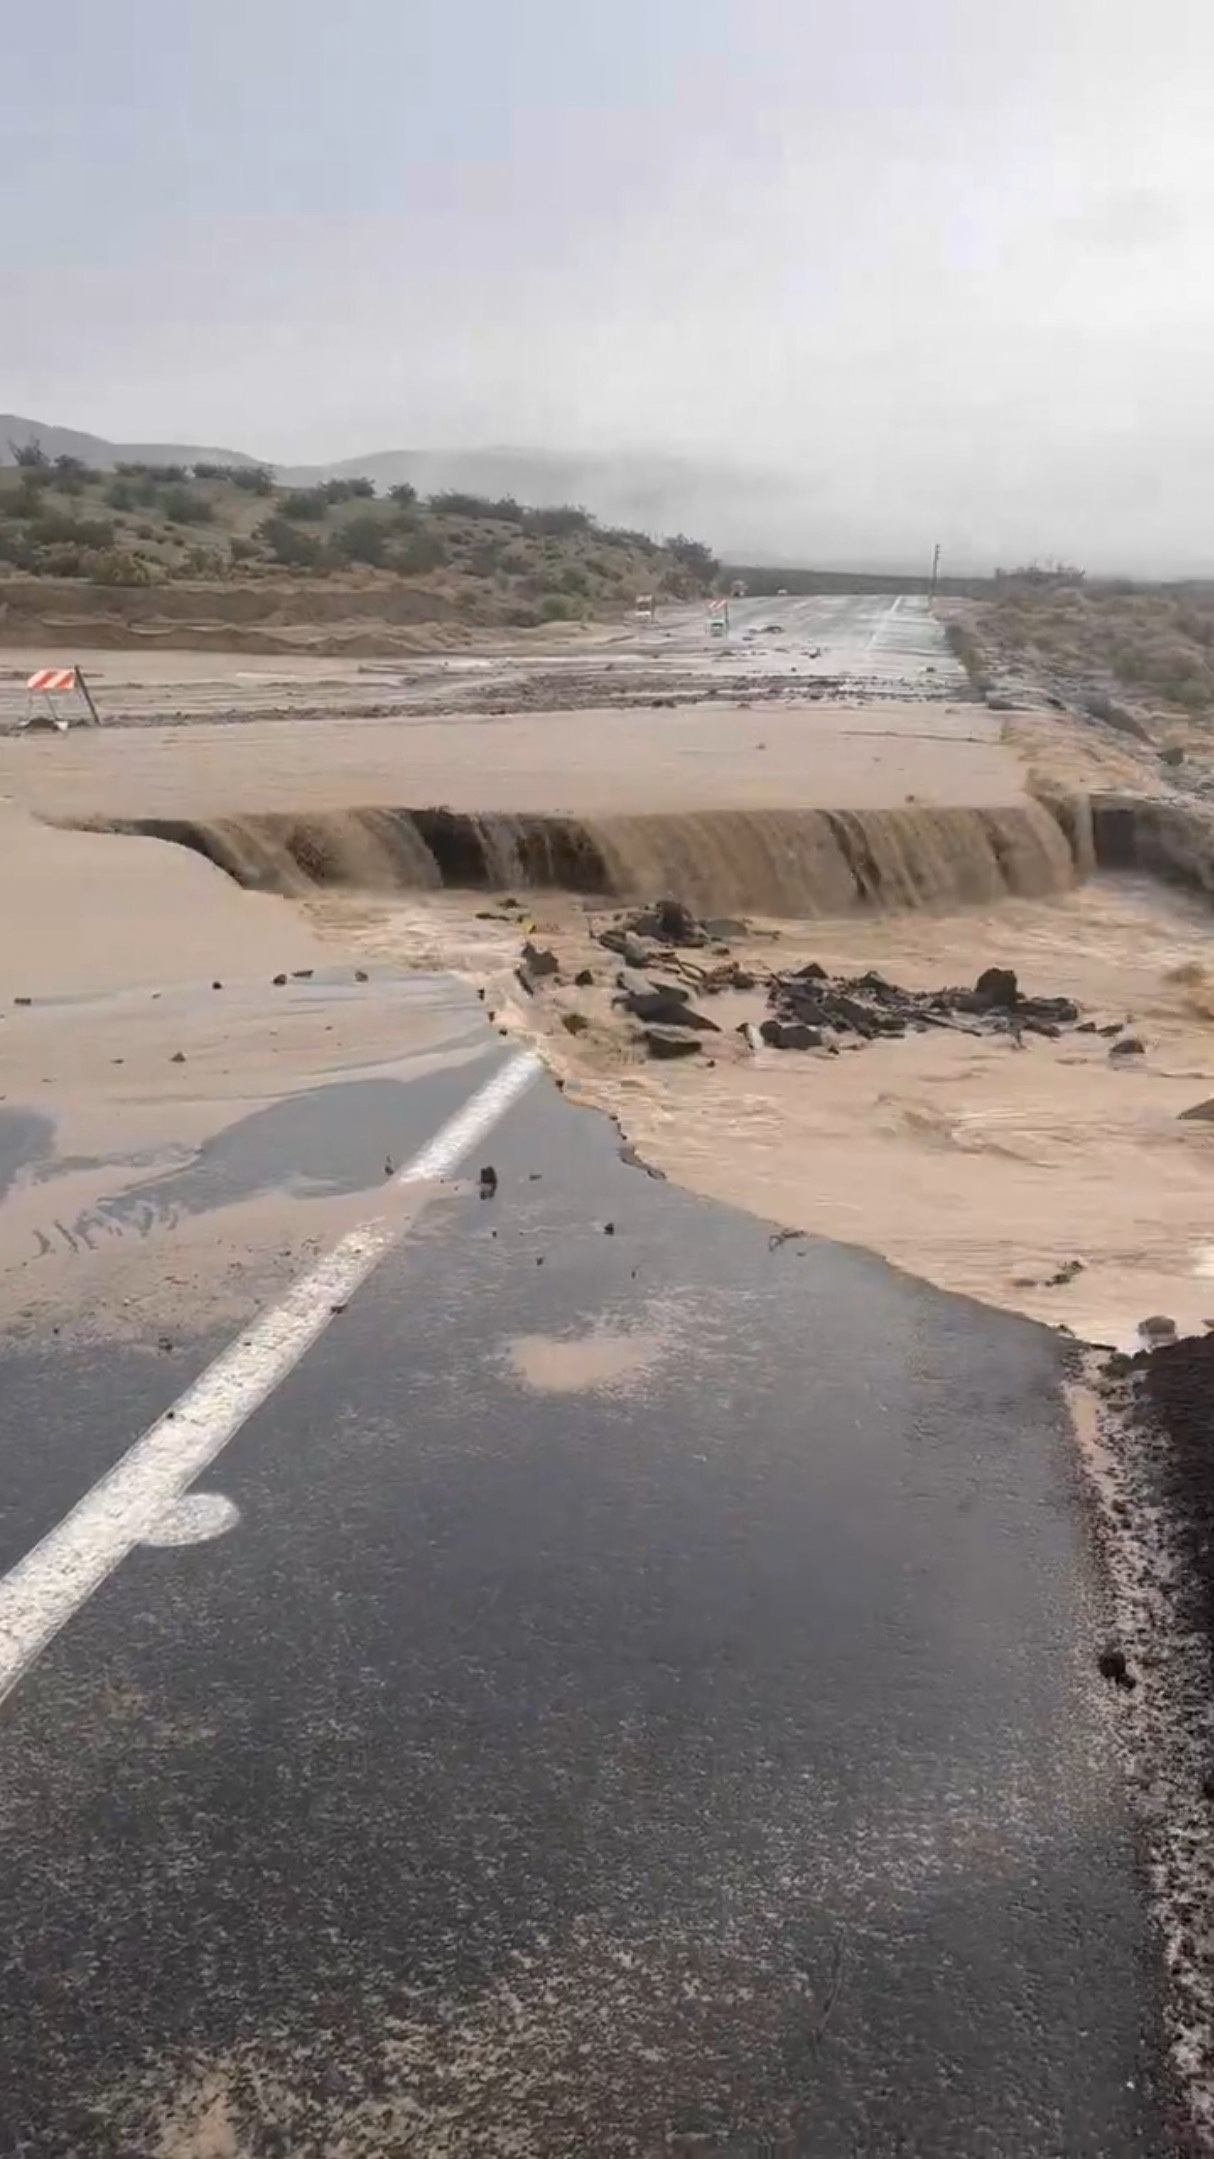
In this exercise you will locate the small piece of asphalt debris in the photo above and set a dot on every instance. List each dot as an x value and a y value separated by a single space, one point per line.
1113 1667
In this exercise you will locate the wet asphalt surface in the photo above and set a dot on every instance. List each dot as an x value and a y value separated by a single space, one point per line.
713 1765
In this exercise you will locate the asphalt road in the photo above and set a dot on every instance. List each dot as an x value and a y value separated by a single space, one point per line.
870 640
642 1698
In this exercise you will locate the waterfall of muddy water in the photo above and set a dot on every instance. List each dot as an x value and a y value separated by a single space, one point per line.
799 862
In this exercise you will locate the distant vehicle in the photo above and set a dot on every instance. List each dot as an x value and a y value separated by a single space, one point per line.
737 590
646 607
782 594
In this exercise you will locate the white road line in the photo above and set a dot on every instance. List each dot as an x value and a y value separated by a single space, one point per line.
883 621
44 1589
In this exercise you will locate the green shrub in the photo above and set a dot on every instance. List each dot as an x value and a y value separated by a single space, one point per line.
284 541
574 580
554 607
306 504
360 539
242 550
559 520
117 566
185 506
254 479
455 502
413 557
403 493
120 495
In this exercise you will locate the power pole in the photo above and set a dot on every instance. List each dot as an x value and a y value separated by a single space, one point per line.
935 572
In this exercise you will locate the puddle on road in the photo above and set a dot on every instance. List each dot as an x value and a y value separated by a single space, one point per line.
601 1359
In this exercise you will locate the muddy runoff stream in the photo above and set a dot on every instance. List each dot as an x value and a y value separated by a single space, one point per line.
1052 1177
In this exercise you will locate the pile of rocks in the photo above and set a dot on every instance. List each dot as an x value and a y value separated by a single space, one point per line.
808 1009
811 1009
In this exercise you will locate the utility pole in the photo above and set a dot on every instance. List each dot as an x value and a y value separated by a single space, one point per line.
935 573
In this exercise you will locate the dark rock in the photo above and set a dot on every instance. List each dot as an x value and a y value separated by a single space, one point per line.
1086 1027
177 1058
1113 1667
662 1007
1056 1011
670 922
800 1004
609 1229
302 974
666 1042
718 926
524 981
811 972
997 986
23 1000
1158 1328
849 1012
1113 1027
1201 1113
628 945
216 985
488 1181
279 981
539 962
790 1035
574 1023
361 975
1129 1046
583 978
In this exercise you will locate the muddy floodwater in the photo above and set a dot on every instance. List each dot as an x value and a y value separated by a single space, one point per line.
987 1168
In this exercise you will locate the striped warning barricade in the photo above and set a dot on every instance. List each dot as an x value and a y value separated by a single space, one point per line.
52 678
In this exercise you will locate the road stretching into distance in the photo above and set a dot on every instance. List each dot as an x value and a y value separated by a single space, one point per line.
578 1674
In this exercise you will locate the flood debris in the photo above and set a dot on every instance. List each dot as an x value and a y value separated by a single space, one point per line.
1199 1113
809 1001
487 1181
670 1042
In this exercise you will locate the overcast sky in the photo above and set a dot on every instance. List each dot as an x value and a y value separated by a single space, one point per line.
944 266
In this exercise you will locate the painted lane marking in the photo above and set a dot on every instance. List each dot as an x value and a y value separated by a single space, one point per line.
41 1593
883 622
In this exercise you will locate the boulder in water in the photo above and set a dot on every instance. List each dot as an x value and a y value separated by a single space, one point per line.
1201 1113
997 987
664 1007
1129 1046
790 1035
539 962
671 1042
670 922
